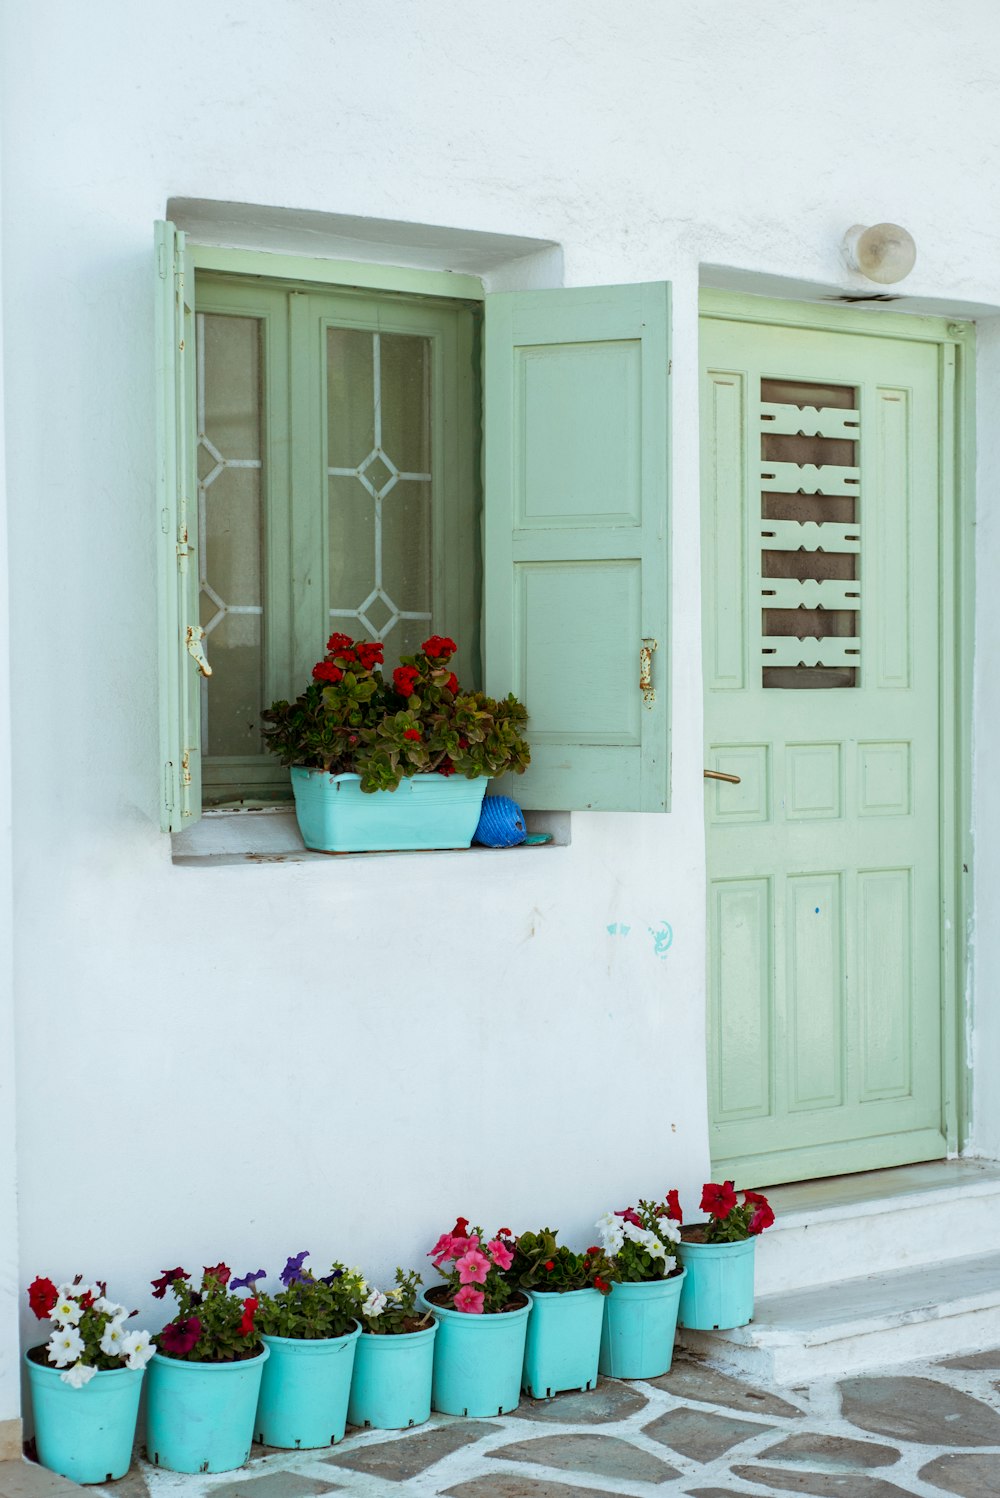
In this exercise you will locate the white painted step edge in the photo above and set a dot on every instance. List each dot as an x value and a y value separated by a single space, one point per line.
920 1200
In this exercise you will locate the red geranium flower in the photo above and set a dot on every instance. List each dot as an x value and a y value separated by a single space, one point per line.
338 642
593 1251
370 653
452 684
446 767
718 1201
412 733
220 1272
674 1206
404 679
550 1263
600 1284
327 671
439 648
166 1279
249 1311
177 1339
42 1296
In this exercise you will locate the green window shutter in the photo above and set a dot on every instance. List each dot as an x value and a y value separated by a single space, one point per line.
576 530
177 506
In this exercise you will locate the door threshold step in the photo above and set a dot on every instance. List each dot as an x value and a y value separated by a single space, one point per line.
934 1310
892 1219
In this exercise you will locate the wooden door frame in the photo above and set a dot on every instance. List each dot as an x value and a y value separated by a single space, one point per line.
956 344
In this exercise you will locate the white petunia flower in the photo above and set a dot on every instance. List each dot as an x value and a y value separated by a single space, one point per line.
64 1346
112 1338
66 1310
137 1348
78 1375
611 1231
669 1229
110 1307
374 1305
670 1263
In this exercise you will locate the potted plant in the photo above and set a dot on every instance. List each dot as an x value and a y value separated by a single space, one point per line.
205 1377
479 1348
310 1328
566 1291
719 1258
640 1314
394 1361
85 1381
379 764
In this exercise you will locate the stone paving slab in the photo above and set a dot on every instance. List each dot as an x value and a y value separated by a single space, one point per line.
931 1430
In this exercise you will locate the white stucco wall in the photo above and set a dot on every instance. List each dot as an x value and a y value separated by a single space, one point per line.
249 1061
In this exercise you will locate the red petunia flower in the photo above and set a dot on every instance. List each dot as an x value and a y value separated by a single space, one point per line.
674 1206
439 648
220 1272
412 733
629 1214
166 1279
404 679
763 1217
327 671
177 1339
249 1311
461 1228
718 1201
42 1296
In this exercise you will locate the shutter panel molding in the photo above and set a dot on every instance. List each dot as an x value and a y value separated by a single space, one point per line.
576 606
177 506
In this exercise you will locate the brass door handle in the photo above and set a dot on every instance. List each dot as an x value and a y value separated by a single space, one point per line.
721 775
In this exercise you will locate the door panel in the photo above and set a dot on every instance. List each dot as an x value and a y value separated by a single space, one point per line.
821 588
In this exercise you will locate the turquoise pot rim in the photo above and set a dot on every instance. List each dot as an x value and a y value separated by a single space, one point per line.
492 1319
188 1366
399 1339
345 775
712 1250
45 1369
560 1295
642 1288
309 1344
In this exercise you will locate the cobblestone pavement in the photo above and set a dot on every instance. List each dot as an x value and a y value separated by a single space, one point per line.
928 1429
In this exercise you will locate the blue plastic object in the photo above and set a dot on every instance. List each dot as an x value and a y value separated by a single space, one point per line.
425 811
304 1390
85 1434
718 1289
501 823
478 1360
563 1342
640 1321
199 1416
392 1379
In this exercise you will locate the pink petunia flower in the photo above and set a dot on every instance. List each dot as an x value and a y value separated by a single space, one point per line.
470 1300
473 1267
500 1253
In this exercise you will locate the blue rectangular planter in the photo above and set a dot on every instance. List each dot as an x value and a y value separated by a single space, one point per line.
564 1341
425 811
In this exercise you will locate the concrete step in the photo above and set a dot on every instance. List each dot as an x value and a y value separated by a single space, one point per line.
884 1220
875 1320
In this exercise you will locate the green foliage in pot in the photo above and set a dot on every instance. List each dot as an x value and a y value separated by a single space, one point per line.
212 1324
351 720
308 1307
641 1240
541 1262
395 1311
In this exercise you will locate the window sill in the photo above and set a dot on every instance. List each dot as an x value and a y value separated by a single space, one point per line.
270 834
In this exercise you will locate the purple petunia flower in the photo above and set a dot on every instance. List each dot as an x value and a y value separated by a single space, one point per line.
292 1271
249 1281
328 1279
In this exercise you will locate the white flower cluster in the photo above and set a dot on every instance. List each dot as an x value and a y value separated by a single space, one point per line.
615 1231
378 1300
65 1346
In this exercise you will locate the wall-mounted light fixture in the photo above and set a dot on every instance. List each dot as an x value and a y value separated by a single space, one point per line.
883 252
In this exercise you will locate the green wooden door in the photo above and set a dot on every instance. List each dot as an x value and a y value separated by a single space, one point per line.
822 635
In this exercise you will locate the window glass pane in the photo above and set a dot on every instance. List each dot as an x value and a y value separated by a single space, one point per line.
230 470
380 487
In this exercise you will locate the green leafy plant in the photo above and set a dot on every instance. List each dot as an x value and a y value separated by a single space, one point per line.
351 720
543 1263
475 1271
640 1240
212 1325
307 1307
729 1219
395 1311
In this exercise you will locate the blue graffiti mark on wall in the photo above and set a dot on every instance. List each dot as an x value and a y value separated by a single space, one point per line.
663 938
618 928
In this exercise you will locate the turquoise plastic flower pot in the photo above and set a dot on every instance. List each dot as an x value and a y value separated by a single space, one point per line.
718 1291
392 1379
563 1342
85 1434
304 1390
477 1360
199 1416
425 811
640 1320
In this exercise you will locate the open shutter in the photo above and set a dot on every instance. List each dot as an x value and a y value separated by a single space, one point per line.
576 529
177 504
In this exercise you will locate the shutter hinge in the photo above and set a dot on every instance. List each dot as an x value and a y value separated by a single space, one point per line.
161 261
186 769
168 785
183 547
192 639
